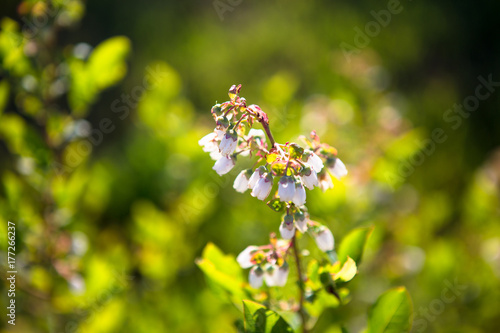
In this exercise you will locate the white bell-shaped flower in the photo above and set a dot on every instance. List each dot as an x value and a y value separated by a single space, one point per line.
286 188
299 197
315 162
338 169
256 277
245 257
276 276
223 165
254 178
324 239
228 143
287 228
241 182
263 187
310 178
301 222
325 182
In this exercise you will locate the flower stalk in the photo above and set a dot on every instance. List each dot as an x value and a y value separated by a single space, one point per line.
287 168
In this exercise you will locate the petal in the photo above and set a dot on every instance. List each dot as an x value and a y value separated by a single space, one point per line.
223 165
244 258
324 240
285 232
299 198
282 275
207 138
256 277
338 170
241 182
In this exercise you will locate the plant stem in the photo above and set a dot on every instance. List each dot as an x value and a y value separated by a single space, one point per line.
268 132
301 286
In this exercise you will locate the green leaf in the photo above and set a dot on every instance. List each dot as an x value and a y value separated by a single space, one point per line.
296 151
107 62
391 313
222 271
276 205
353 244
347 272
259 319
4 95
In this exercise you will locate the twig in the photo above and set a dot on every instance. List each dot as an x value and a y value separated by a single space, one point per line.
301 286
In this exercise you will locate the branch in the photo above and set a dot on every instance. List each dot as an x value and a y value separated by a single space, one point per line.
301 285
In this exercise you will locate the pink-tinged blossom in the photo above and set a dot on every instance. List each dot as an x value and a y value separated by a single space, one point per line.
223 165
255 177
315 162
310 179
245 257
228 143
286 188
263 187
276 276
301 222
324 239
241 182
325 182
256 277
287 228
299 198
338 169
209 142
210 137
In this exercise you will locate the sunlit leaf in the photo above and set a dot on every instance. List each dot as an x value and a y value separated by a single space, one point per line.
222 270
259 319
347 272
391 313
353 244
276 205
107 62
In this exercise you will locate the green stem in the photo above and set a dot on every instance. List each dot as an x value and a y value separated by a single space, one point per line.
301 285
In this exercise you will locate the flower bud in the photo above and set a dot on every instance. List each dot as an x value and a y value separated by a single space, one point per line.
263 187
324 239
228 143
217 109
241 181
286 188
309 178
287 228
223 165
337 168
299 197
233 91
276 276
256 277
222 123
325 182
301 221
315 162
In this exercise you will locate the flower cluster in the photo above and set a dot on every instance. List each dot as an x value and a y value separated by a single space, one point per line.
267 263
288 168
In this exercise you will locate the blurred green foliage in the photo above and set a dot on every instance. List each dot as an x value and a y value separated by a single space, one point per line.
101 108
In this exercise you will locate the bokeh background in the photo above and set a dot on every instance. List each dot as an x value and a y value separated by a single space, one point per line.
101 107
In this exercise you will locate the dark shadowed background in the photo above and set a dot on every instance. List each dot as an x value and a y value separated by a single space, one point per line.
102 104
